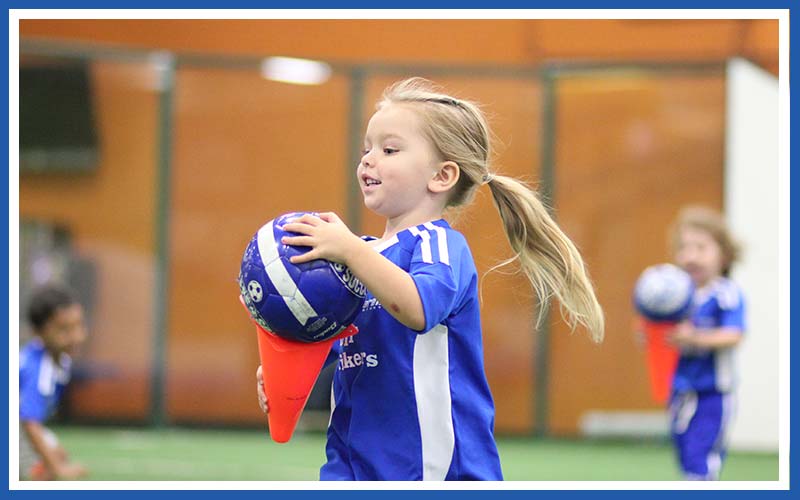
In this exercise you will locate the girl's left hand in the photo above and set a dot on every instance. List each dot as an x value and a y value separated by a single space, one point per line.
328 237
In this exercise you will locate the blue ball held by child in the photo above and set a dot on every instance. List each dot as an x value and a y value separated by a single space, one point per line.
308 302
663 293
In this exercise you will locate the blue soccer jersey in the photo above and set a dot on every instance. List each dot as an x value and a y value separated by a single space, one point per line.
720 304
41 381
415 405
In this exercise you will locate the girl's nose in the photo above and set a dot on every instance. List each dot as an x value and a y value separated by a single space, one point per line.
366 158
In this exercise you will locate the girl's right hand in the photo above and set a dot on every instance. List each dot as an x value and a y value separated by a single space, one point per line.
262 395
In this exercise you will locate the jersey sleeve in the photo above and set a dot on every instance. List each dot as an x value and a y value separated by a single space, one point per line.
434 273
32 403
730 302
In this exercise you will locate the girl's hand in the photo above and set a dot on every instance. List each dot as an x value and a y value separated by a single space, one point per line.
683 335
70 471
687 337
262 395
328 237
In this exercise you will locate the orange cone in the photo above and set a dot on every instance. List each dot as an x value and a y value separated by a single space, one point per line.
289 371
662 358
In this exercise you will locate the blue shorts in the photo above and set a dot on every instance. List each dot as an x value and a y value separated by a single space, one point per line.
699 425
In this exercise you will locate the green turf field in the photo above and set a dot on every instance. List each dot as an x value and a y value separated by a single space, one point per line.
138 454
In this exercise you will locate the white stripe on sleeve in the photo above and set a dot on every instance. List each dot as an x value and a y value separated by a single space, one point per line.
46 382
426 244
728 296
441 240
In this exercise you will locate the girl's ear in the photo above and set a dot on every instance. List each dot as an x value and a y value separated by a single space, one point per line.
445 178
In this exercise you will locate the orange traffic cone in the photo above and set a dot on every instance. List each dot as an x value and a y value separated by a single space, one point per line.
662 358
289 371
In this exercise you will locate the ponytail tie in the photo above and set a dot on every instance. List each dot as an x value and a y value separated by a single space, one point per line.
487 178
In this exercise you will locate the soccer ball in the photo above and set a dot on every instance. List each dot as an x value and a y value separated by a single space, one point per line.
307 302
663 293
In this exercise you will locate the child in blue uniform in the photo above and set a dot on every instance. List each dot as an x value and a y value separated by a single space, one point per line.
702 399
44 371
411 399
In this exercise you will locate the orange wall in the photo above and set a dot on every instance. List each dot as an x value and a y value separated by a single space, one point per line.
510 41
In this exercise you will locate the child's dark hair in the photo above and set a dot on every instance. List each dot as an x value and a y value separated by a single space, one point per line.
45 301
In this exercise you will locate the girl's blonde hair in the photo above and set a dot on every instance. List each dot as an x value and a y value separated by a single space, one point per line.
712 222
458 131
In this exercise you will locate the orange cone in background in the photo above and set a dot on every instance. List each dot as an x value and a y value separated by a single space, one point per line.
662 358
289 371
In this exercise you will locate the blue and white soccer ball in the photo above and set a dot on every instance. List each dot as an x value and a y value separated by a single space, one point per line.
663 293
307 302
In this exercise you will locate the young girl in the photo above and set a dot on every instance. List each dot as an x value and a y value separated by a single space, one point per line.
411 399
702 390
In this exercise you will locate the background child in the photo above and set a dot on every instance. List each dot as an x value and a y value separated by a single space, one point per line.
44 371
702 399
411 399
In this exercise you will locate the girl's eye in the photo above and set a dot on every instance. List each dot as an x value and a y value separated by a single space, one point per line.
389 151
364 151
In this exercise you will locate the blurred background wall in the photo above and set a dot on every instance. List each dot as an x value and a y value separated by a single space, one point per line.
619 123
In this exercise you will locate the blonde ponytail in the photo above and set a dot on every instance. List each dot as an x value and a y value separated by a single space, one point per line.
547 256
459 133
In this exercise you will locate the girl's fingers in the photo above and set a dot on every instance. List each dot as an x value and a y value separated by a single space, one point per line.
306 257
262 395
262 399
309 219
329 217
299 241
298 227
